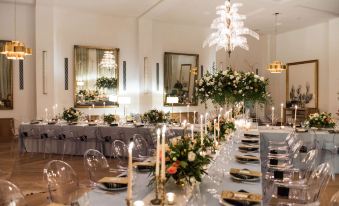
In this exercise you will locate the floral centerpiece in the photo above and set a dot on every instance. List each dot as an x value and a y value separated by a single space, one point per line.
185 161
155 116
226 127
71 114
109 118
105 82
229 87
322 120
88 95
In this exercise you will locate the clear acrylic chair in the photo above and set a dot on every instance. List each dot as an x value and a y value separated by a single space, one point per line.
335 199
119 152
308 192
282 147
96 165
63 184
285 160
10 194
141 149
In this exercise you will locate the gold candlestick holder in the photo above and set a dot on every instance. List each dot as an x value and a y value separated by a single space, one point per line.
129 202
156 200
162 191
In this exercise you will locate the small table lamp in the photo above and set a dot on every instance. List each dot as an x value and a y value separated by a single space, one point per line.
172 100
124 101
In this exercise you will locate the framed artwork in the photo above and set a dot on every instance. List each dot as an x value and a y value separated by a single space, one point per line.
180 74
302 83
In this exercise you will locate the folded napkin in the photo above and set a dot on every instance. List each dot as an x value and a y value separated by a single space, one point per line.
245 172
116 180
247 157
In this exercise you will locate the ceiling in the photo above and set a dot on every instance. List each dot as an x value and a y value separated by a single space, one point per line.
294 14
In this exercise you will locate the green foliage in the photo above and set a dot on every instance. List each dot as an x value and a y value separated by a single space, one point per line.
155 116
109 118
71 115
105 82
323 120
229 87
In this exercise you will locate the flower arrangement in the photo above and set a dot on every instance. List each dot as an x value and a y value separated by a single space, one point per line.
88 95
105 82
323 120
185 161
228 86
109 118
155 116
226 127
71 114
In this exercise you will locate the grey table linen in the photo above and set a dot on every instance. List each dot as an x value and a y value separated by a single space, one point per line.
76 139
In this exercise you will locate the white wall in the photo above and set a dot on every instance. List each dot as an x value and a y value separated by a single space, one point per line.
315 42
81 28
24 100
181 39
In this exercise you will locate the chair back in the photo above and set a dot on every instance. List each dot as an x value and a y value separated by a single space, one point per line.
318 181
335 199
141 146
308 163
10 194
62 182
96 164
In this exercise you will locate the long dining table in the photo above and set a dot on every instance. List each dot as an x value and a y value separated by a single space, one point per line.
45 138
206 193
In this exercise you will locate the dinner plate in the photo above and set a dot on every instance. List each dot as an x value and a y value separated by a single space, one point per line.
250 141
244 177
251 135
113 186
243 160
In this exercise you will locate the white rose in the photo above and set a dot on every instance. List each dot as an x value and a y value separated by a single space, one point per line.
193 180
191 156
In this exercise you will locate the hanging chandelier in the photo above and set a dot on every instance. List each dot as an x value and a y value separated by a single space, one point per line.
15 50
108 60
276 67
230 29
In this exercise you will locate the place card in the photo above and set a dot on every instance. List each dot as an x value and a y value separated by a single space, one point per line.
245 172
229 195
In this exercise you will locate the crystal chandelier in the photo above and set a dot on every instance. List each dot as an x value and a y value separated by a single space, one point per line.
230 29
108 60
276 67
14 49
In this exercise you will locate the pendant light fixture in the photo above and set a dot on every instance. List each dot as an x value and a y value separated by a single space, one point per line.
229 29
15 50
276 67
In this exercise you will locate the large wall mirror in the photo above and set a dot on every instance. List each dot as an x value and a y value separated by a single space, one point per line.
96 76
6 81
180 74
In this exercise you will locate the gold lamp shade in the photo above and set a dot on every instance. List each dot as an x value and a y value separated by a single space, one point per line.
15 50
276 67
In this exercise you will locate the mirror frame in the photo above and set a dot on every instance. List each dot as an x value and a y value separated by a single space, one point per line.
74 74
12 79
196 78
